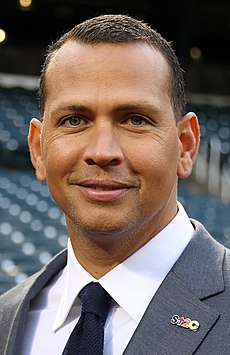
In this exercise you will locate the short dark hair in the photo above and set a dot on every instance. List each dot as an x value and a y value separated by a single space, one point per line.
118 29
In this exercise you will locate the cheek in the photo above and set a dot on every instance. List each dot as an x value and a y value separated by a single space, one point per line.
60 155
154 159
156 165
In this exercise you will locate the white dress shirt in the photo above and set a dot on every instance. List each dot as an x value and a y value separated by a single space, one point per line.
132 284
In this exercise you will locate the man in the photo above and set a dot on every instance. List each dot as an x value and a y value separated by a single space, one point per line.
113 140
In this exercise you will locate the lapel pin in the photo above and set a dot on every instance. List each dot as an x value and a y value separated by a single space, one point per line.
186 323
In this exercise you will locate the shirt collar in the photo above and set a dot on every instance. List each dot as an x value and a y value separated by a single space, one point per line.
138 277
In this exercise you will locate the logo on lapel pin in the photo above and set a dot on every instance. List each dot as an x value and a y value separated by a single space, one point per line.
186 323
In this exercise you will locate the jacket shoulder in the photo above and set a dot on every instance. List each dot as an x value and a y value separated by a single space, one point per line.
14 304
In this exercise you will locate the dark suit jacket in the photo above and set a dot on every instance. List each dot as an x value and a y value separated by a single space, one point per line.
197 287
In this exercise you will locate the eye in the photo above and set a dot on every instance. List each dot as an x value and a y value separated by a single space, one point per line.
137 120
74 121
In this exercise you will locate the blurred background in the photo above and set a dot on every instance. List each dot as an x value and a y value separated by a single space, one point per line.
32 228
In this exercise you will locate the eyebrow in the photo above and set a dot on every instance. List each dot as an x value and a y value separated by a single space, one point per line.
71 108
135 106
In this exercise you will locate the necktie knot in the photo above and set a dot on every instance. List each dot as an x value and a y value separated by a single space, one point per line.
95 299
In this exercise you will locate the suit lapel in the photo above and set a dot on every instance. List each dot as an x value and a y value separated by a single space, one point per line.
196 275
22 297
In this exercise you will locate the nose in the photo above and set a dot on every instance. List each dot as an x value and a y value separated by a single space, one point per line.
103 147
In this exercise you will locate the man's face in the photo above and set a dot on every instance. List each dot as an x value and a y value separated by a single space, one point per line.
110 145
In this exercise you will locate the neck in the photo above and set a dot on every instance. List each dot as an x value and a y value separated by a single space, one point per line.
99 253
100 257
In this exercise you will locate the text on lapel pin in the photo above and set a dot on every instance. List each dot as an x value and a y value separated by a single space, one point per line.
185 322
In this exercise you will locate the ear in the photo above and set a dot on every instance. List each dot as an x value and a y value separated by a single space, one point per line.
189 137
34 140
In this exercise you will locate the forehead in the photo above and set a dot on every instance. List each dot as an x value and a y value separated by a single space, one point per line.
140 53
135 69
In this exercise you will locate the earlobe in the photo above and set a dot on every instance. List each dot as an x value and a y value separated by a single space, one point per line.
34 141
189 138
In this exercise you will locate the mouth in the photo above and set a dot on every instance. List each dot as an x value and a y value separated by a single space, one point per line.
104 190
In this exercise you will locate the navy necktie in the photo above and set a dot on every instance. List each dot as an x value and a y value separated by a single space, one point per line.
87 337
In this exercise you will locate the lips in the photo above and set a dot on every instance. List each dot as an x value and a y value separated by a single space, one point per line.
104 190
